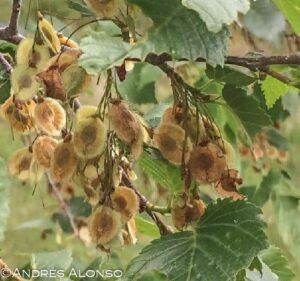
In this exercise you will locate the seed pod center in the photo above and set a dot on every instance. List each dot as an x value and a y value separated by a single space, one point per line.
88 134
105 222
47 113
25 82
205 161
10 109
168 142
20 117
35 58
64 157
24 164
121 203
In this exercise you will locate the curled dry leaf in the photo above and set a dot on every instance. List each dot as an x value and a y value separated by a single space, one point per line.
53 83
207 163
227 184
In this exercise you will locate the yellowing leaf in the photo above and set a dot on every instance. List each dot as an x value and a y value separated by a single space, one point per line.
273 90
291 10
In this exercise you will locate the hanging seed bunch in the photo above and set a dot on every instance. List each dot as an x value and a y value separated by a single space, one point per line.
116 203
88 147
188 137
91 149
39 106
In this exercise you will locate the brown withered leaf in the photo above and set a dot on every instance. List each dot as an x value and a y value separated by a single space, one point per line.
227 184
53 83
64 59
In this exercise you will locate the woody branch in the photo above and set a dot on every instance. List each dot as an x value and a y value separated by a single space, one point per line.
260 63
10 33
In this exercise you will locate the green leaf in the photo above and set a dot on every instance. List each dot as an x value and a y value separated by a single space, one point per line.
230 75
80 207
264 190
291 10
94 265
256 264
80 7
151 275
273 89
139 85
265 21
161 171
146 227
153 117
181 32
226 240
241 276
264 275
277 112
287 215
270 265
4 198
253 273
4 90
276 139
246 108
52 260
63 221
73 86
215 13
275 260
101 51
8 48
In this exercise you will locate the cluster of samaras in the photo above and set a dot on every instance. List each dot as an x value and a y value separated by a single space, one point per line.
189 139
93 151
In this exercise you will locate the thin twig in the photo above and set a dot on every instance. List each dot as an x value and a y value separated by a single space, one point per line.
248 61
63 204
6 65
259 63
10 33
7 272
